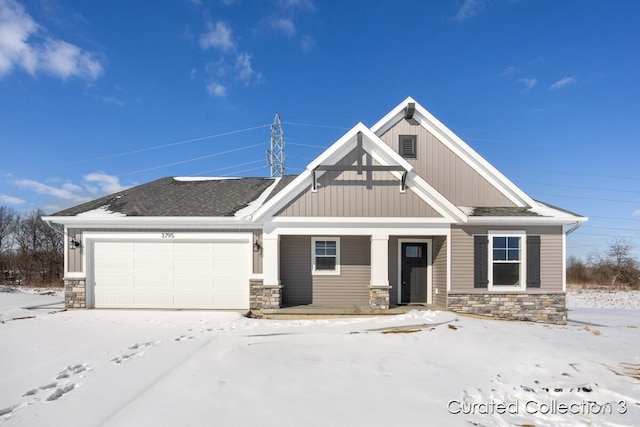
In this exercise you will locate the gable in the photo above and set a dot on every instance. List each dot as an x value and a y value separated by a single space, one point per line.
348 194
444 170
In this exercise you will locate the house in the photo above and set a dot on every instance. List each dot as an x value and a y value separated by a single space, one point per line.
402 212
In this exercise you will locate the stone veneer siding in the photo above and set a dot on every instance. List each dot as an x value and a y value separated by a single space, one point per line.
533 307
264 296
379 297
75 293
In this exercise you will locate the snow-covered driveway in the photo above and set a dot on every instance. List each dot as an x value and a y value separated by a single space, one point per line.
190 368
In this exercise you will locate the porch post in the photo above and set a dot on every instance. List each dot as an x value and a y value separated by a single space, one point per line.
379 286
271 296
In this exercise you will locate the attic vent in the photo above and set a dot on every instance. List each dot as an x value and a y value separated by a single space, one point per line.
407 146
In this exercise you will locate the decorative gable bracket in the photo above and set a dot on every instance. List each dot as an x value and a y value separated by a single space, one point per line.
359 167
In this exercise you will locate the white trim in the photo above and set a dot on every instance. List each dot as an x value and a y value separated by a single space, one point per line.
522 220
522 262
457 146
154 222
382 154
360 220
357 230
429 243
564 262
336 271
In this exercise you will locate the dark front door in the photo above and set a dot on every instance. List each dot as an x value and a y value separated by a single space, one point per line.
414 273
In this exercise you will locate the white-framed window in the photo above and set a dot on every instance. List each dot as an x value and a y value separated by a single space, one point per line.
507 260
325 255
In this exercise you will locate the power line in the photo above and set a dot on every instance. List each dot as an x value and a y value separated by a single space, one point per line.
192 160
315 126
172 144
589 198
581 187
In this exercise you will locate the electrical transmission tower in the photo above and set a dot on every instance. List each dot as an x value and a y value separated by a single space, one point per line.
275 155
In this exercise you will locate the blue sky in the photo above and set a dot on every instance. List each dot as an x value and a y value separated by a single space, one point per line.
96 96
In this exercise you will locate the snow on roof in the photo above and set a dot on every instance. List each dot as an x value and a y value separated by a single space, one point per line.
102 211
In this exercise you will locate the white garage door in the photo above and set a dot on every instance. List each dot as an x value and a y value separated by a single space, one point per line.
170 274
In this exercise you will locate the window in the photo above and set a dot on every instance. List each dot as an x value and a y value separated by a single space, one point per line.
325 255
506 260
407 146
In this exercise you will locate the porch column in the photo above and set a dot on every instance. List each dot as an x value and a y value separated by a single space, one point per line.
271 296
271 259
379 286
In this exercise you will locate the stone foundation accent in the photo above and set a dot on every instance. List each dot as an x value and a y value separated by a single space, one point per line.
264 296
532 307
75 293
379 297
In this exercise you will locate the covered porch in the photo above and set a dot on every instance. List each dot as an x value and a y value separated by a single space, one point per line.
353 270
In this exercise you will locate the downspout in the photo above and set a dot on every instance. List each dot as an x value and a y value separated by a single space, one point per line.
574 228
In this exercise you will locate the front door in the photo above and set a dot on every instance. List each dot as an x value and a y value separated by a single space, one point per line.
414 273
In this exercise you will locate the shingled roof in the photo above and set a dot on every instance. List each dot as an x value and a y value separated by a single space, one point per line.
216 197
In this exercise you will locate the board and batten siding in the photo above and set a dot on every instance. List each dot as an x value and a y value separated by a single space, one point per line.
462 255
74 256
347 194
438 268
444 170
439 271
300 287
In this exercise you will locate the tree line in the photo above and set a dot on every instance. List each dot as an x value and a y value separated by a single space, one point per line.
31 250
616 267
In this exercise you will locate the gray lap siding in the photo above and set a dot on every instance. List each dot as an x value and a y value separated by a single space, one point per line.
351 286
551 256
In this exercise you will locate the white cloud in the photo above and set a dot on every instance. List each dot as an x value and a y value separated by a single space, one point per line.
218 37
528 83
217 90
469 9
95 183
307 43
65 60
105 183
245 72
565 81
18 49
284 25
636 213
298 4
508 71
11 200
60 193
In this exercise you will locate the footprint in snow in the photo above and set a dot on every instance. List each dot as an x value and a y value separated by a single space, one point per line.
138 351
183 337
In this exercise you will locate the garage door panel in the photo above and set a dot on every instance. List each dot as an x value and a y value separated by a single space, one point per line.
192 266
226 301
153 282
194 282
153 300
115 282
144 248
114 300
194 301
170 274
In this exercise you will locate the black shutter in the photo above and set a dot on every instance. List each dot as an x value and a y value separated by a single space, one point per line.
533 261
480 262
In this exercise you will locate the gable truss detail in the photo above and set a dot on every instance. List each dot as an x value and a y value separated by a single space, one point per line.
359 167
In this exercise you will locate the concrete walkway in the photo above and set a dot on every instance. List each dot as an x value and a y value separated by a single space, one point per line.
342 310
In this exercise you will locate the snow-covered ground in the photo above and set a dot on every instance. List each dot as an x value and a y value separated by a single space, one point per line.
202 368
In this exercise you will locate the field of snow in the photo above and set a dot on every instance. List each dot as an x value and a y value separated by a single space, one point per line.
194 368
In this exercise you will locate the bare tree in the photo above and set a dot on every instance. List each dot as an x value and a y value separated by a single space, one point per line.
8 221
617 264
